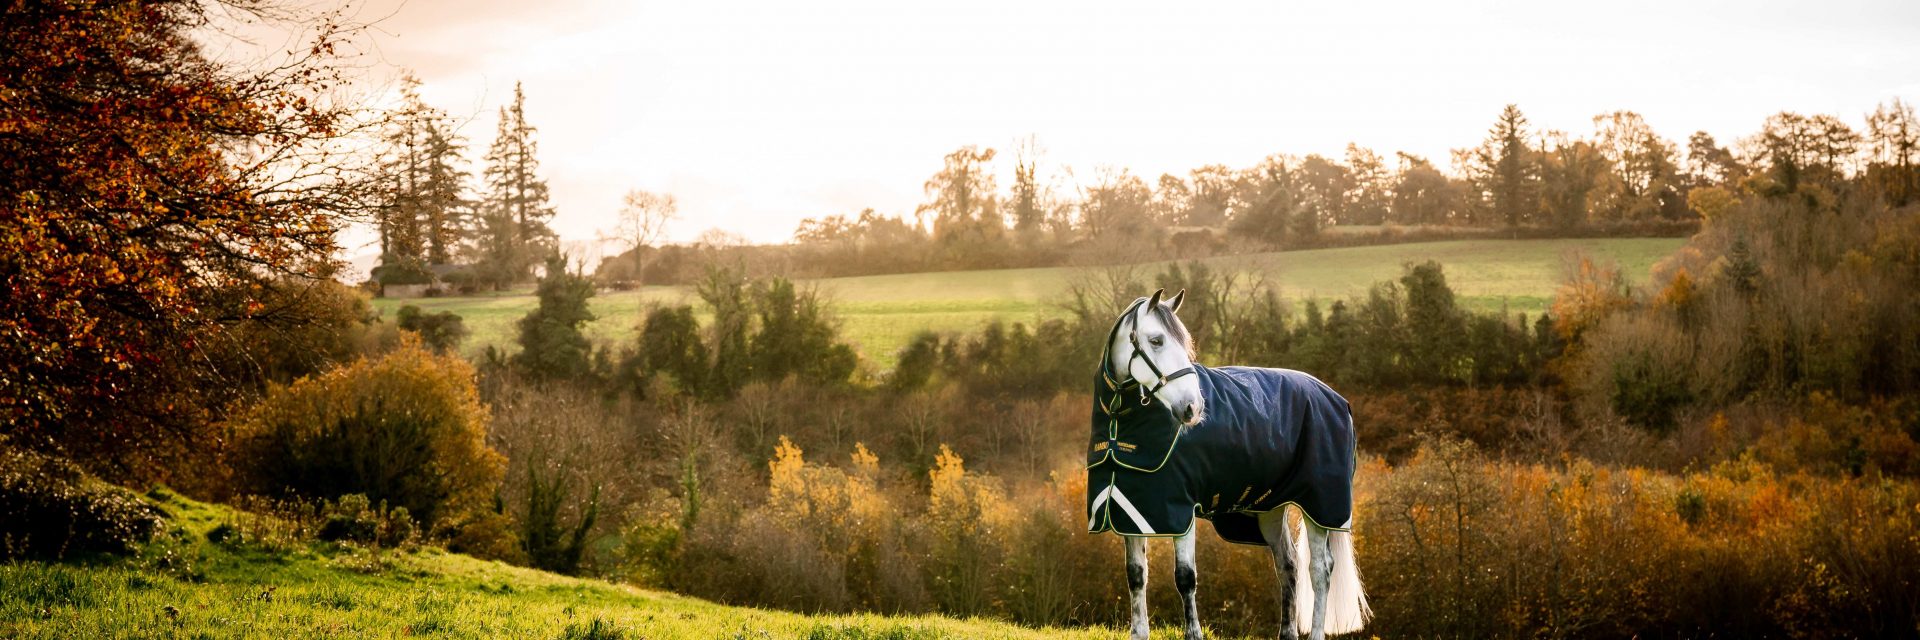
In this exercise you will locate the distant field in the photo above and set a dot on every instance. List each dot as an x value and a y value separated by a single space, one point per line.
880 313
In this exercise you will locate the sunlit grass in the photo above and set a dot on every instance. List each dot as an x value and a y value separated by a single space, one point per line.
183 586
880 313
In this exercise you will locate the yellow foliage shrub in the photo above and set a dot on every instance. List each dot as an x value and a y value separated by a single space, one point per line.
406 428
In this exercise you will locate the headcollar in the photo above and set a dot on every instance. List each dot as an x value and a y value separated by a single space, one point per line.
1133 338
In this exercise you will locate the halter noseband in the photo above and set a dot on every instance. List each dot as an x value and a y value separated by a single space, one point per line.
1133 338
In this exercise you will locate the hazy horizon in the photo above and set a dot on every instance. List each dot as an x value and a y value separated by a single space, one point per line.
756 116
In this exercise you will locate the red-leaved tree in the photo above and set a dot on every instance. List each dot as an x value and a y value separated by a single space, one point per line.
149 198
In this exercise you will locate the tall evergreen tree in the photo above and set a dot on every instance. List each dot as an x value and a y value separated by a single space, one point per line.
1502 169
443 192
402 234
514 231
422 190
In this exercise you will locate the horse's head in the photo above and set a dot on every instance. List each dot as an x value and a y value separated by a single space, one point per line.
1154 347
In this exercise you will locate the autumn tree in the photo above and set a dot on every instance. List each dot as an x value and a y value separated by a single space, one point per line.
1270 199
1210 200
643 220
1028 206
1571 172
1642 177
1796 151
150 198
513 234
1323 187
1709 164
1893 139
1118 204
960 198
1371 185
1421 193
1171 200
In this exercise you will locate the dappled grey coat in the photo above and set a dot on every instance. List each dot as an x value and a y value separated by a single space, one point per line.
1270 437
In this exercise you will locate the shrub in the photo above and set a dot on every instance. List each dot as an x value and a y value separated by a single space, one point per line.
353 518
551 345
406 429
670 344
967 519
576 459
797 336
550 543
1456 545
54 510
1637 367
650 542
488 534
440 331
1590 292
916 363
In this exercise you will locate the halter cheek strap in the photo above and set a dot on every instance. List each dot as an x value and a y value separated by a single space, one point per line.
1161 378
1133 338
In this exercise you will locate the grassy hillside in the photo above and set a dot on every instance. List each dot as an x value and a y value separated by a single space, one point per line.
879 313
184 586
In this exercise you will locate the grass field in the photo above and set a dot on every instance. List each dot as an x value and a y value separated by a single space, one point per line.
184 586
880 313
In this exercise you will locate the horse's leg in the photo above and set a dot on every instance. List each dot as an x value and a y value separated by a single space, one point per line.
1137 584
1187 580
1273 527
1321 566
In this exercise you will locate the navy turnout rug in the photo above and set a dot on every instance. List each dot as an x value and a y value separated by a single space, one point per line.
1269 438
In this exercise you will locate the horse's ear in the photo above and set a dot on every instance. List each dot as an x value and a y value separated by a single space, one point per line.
1155 300
1178 298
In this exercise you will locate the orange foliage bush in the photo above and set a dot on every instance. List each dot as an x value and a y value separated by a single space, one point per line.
407 428
1454 545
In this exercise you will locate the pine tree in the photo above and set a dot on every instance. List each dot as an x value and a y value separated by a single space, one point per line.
516 211
422 195
443 192
1509 162
402 235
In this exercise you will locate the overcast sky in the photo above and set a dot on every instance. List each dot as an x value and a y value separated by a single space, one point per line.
756 115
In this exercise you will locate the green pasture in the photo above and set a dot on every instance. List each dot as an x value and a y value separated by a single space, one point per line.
183 586
880 313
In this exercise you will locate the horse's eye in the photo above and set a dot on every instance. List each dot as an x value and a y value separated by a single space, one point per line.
1156 341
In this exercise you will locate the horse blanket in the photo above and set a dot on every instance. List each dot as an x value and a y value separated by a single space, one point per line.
1270 437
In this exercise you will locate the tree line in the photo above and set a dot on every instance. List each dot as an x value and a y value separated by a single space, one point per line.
1518 176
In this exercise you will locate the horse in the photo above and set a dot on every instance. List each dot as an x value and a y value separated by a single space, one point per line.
1167 432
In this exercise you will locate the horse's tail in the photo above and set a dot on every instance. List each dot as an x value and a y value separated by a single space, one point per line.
1347 609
